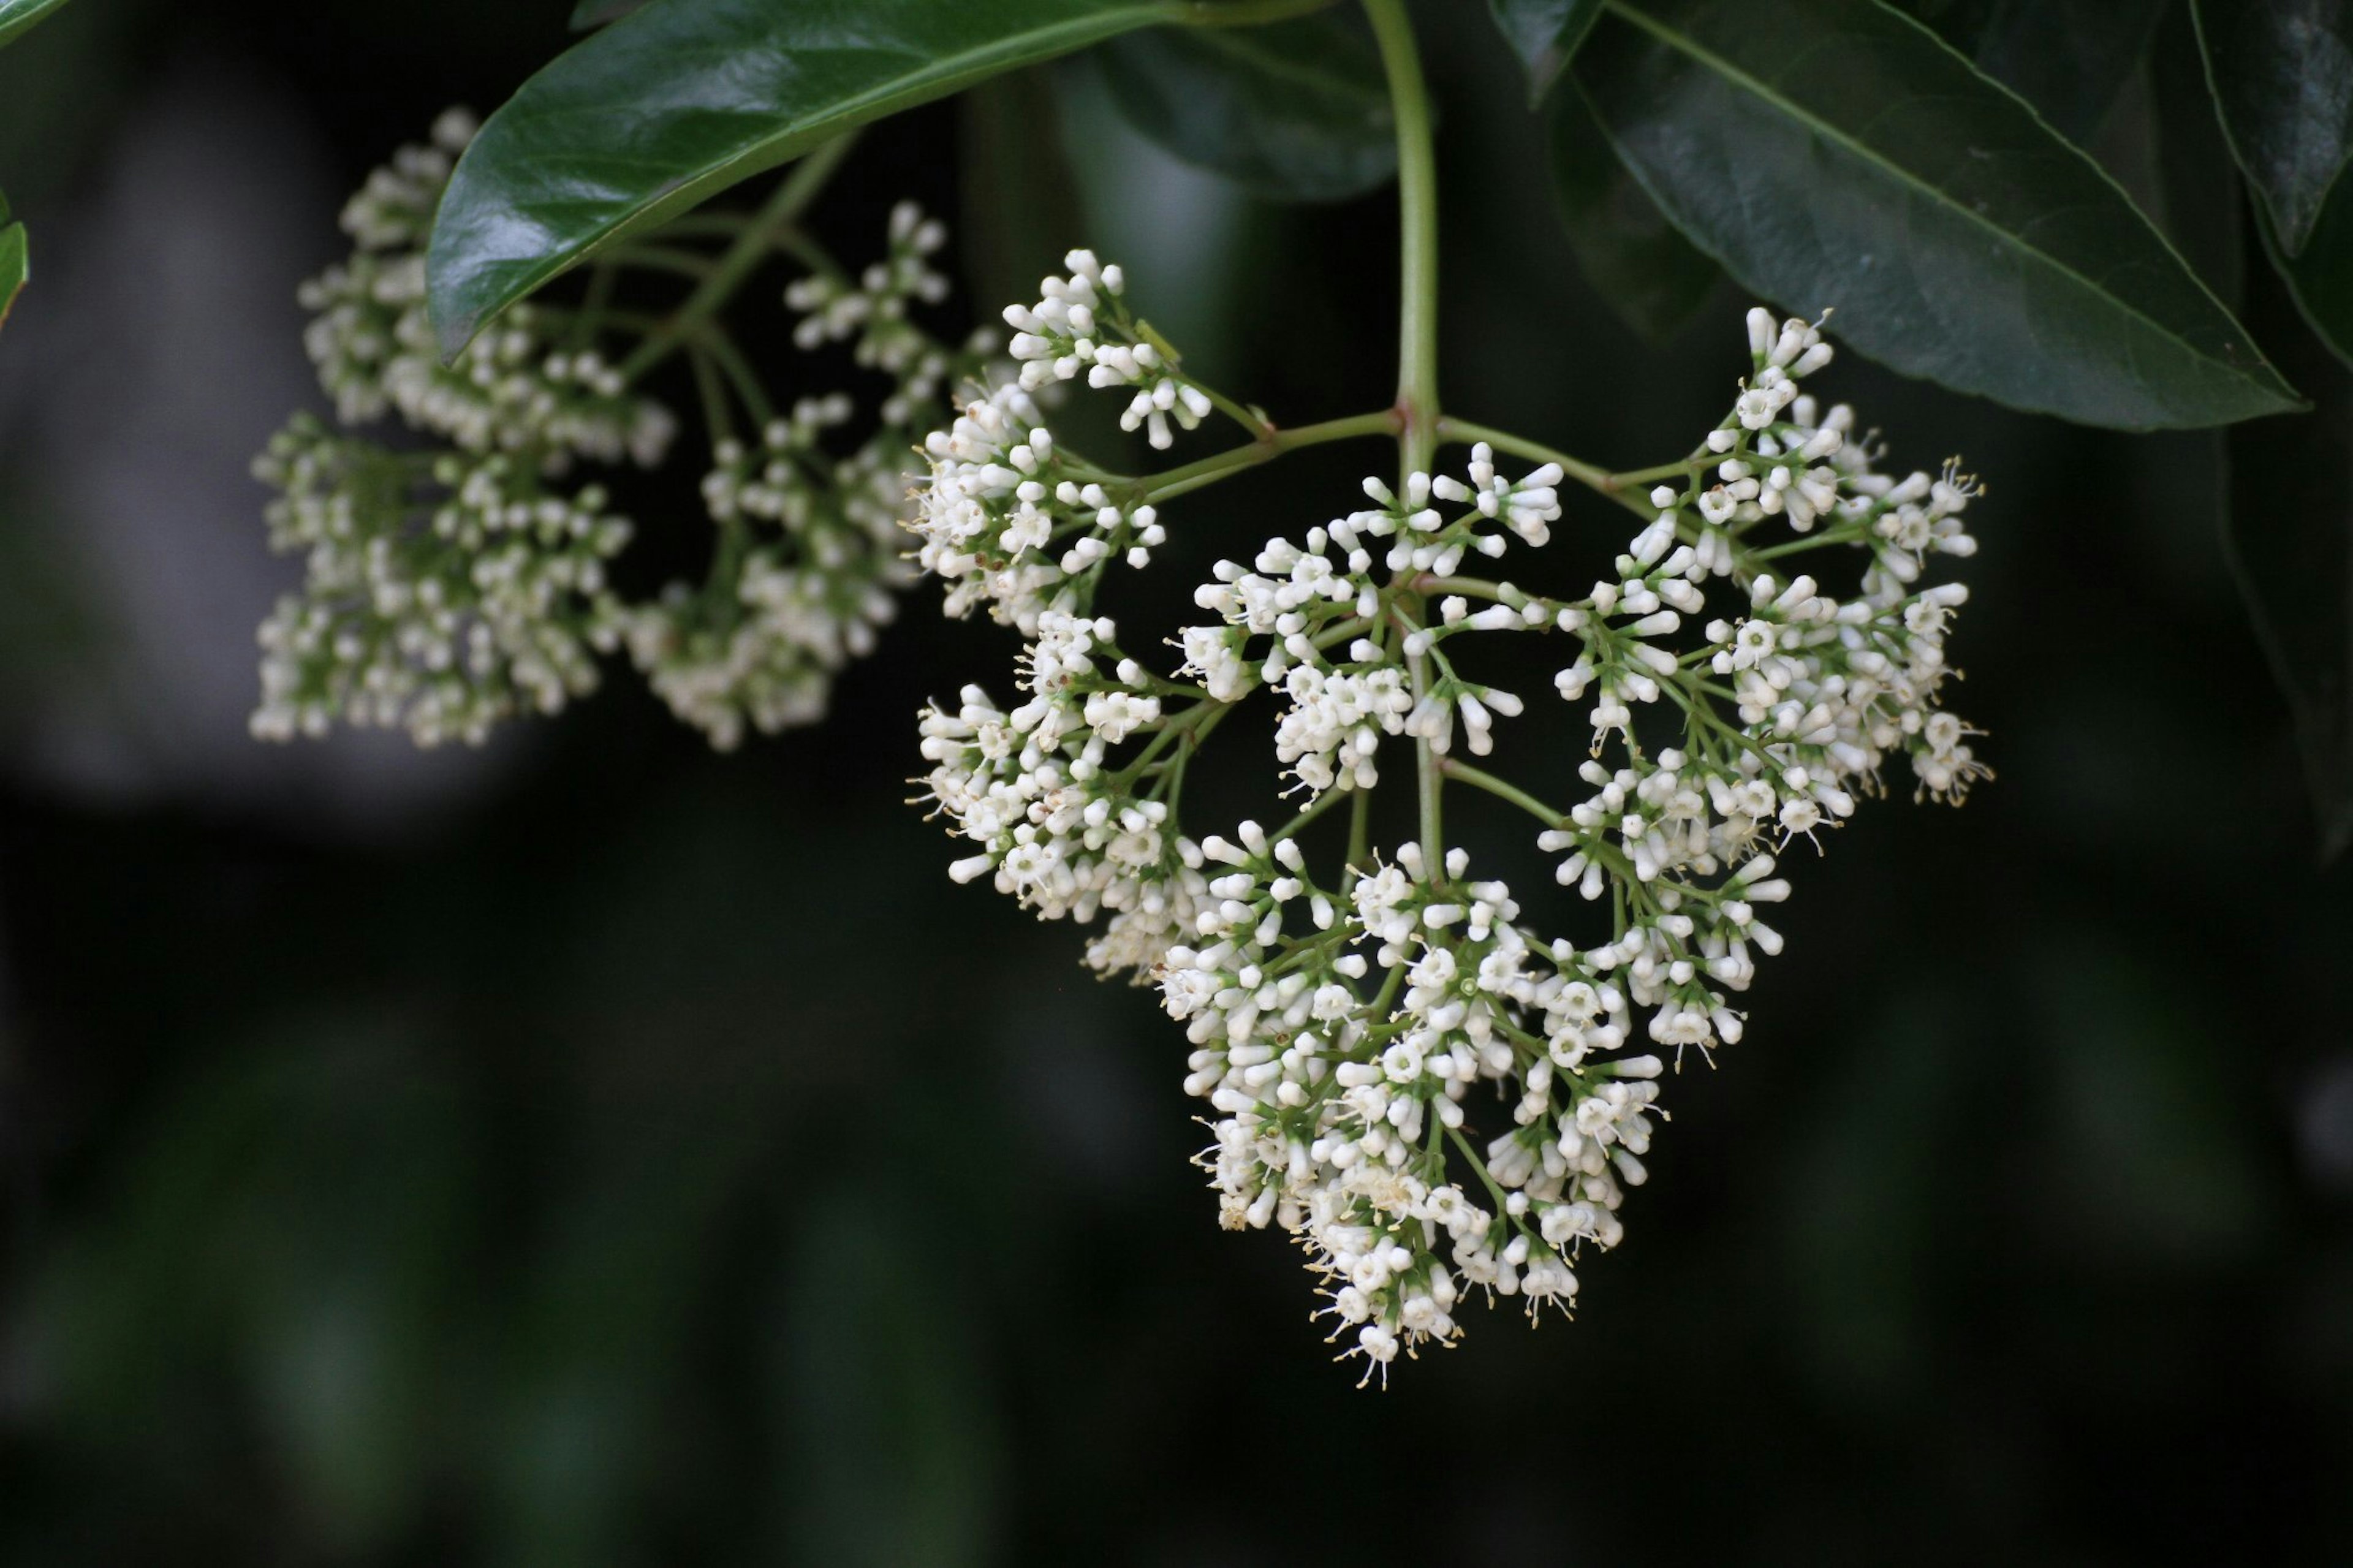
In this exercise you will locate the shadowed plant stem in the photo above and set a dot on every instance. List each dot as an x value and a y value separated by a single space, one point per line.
739 260
1417 400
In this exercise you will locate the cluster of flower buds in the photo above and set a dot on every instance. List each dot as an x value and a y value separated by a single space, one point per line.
1082 326
447 591
1344 1001
807 550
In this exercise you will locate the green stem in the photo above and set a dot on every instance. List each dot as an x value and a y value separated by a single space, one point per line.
739 372
1209 470
1249 419
1314 809
715 420
602 276
1417 398
1417 222
739 260
1479 779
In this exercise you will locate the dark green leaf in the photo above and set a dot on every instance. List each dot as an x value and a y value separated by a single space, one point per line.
2321 277
682 98
592 14
16 263
15 15
2069 59
2198 182
1296 111
1836 152
1545 34
2291 542
1638 262
2283 76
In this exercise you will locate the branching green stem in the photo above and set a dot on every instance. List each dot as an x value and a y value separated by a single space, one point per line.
1209 470
739 260
1478 778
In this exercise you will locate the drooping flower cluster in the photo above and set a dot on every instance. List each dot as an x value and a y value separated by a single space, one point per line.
446 591
1007 519
811 552
405 565
1345 1002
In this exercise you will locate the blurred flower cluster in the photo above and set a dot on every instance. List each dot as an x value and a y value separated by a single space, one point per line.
457 572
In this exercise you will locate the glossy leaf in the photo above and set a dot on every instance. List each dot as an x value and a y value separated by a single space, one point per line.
681 99
1837 152
15 15
2291 542
1640 263
16 263
1544 35
1296 111
2069 59
2283 76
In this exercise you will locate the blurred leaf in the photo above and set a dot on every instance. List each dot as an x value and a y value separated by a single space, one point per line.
1294 111
16 262
2154 1167
2290 537
2069 59
593 14
16 15
891 1442
677 101
301 1218
1139 198
1836 152
2282 78
2322 277
1638 262
602 1325
1545 34
1020 207
2199 181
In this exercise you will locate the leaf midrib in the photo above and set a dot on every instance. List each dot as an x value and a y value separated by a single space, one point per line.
1684 43
1332 84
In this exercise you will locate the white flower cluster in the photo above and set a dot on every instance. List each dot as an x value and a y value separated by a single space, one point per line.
445 592
1057 828
1081 325
808 551
1008 523
810 562
811 551
1342 1019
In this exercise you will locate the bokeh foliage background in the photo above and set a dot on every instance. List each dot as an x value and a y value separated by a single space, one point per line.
597 1151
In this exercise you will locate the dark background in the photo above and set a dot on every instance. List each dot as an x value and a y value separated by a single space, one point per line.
597 1151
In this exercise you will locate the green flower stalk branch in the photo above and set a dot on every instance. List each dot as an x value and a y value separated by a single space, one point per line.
1345 999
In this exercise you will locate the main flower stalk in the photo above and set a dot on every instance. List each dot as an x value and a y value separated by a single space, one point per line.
1417 399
